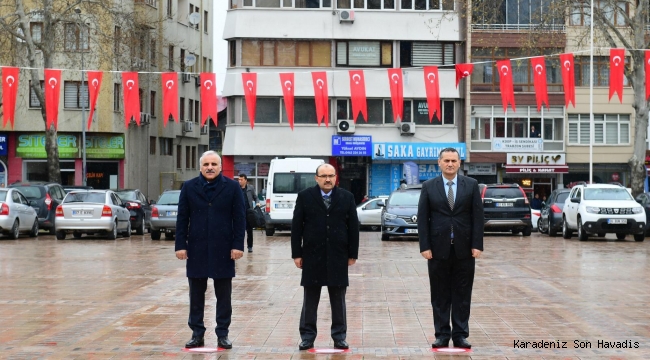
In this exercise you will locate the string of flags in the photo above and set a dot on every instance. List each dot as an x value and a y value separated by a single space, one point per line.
169 81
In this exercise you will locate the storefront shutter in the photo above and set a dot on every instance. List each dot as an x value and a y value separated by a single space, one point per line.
427 54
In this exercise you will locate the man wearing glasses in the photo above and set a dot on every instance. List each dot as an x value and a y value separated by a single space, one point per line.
324 242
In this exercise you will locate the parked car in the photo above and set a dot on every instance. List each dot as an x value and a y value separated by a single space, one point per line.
602 209
534 218
16 215
644 200
369 213
550 220
69 188
139 207
163 215
506 208
44 197
91 212
400 213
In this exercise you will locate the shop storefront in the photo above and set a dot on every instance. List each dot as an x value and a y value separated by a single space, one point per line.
536 173
256 169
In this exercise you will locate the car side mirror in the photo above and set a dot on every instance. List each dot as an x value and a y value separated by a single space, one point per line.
151 202
575 200
381 203
639 201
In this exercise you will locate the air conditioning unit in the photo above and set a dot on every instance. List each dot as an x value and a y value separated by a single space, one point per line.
197 81
346 16
186 77
188 126
145 118
204 129
407 129
344 126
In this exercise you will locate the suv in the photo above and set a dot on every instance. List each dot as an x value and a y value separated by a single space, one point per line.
44 198
602 209
506 208
139 208
400 214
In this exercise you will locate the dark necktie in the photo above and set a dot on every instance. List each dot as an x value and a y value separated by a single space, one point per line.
327 201
450 200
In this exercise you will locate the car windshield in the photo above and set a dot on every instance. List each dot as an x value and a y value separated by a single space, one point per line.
562 196
503 193
127 195
169 198
405 198
31 192
292 183
3 195
607 194
87 197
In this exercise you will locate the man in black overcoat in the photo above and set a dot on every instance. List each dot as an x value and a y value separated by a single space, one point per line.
324 242
210 229
450 228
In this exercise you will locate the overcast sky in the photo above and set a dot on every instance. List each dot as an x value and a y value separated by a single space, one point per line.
220 57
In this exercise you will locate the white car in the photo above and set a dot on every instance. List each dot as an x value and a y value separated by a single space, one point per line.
16 215
369 213
599 209
534 218
90 212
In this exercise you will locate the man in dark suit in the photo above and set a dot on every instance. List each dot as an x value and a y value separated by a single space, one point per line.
450 228
324 242
210 235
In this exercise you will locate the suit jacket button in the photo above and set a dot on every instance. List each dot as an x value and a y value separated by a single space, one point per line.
209 204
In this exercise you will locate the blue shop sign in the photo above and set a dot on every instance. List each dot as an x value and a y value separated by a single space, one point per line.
413 151
3 144
351 145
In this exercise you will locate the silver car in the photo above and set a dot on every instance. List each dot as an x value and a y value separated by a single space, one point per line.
16 215
369 213
163 215
90 212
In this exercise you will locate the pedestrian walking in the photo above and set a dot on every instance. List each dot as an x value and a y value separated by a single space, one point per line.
249 197
210 237
450 228
324 242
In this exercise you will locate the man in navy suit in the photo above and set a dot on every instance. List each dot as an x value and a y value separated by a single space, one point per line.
450 228
210 230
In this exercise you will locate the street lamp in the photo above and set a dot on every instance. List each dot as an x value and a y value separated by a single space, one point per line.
83 104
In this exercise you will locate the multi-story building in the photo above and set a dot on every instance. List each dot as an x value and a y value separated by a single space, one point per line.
269 37
150 37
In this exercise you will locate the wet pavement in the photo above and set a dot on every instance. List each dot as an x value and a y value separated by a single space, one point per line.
128 299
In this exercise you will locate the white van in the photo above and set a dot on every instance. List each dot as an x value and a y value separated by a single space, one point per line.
287 177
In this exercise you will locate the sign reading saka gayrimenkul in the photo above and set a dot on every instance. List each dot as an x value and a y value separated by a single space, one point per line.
351 145
413 151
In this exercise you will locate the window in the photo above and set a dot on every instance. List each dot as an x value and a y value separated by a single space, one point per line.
609 129
152 104
188 155
141 97
170 57
182 60
75 96
169 8
117 41
414 53
232 48
580 13
181 109
421 113
190 107
197 113
33 100
518 13
36 28
425 4
367 4
117 97
152 52
194 9
205 22
284 53
364 53
152 145
153 3
601 71
166 145
268 111
193 158
76 37
179 163
283 3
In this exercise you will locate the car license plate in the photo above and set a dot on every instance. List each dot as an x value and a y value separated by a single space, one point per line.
617 221
284 206
171 213
504 204
82 212
411 231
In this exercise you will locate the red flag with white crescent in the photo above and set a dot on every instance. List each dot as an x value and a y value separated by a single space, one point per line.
249 80
209 106
507 89
647 74
616 73
9 93
131 97
462 71
321 97
52 88
432 86
568 79
358 95
169 81
538 64
288 86
396 93
94 86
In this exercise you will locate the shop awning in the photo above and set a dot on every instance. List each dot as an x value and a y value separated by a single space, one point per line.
537 169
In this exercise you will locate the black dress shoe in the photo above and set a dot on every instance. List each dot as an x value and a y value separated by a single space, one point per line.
440 343
224 343
306 345
195 342
341 344
462 343
250 249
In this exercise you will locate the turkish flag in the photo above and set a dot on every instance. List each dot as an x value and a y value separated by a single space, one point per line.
432 85
52 95
538 64
9 92
321 96
94 85
131 97
169 81
288 86
507 89
396 93
463 70
647 74
616 73
358 95
209 106
249 80
568 79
